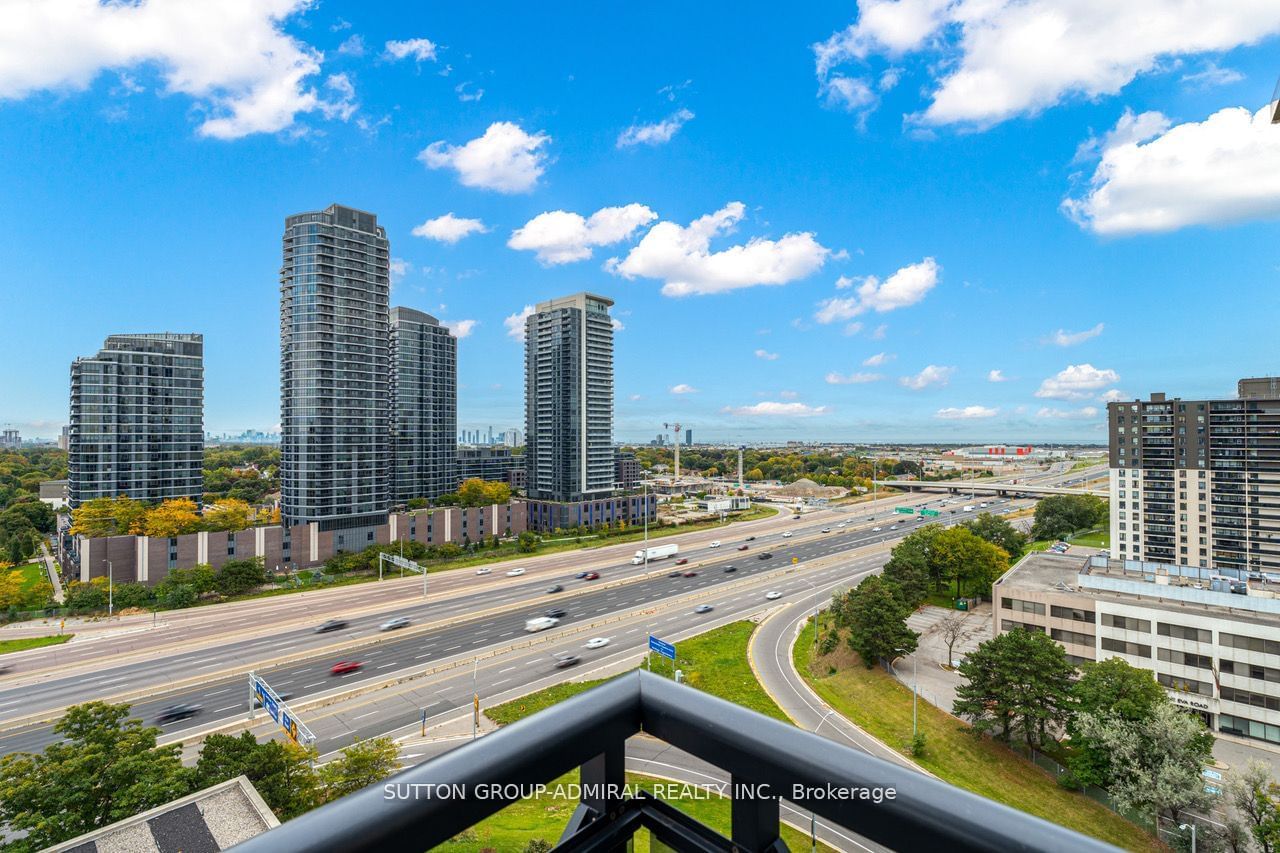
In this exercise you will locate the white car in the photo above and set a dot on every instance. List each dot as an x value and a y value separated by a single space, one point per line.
876 529
786 534
484 571
843 524
597 643
515 573
893 527
773 596
393 624
715 544
826 530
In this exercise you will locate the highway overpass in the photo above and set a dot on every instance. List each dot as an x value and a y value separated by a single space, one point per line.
976 487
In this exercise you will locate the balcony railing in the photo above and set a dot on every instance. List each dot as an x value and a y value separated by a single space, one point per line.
762 756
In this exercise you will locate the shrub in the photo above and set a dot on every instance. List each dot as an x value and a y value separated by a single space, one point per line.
133 595
179 596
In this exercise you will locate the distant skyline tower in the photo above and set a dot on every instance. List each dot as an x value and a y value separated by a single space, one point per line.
137 419
688 437
424 399
335 368
569 399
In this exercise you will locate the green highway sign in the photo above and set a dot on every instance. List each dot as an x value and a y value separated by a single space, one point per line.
905 510
930 513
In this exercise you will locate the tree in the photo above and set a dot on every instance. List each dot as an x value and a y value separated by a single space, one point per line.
998 532
172 518
1156 762
877 622
281 772
950 627
360 765
105 768
528 542
908 566
1256 798
178 596
1058 516
108 517
477 492
11 589
132 595
38 514
228 514
240 576
1108 686
958 554
87 596
1016 681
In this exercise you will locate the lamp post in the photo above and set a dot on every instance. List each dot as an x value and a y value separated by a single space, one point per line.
111 583
1192 827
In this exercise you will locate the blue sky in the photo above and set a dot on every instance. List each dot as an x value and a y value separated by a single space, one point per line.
818 221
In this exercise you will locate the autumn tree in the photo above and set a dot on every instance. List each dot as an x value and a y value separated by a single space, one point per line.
228 514
172 518
117 516
281 772
1256 798
360 765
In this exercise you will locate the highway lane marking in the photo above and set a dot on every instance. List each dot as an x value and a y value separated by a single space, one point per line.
420 657
385 665
497 683
508 669
219 692
369 714
453 648
508 634
308 686
113 680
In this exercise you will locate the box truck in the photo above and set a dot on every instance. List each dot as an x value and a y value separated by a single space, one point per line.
657 552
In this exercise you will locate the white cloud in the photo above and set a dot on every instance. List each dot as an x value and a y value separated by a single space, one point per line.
996 59
635 397
834 378
246 74
460 328
766 355
789 395
1211 76
930 376
515 323
617 324
1063 338
449 228
467 94
1083 413
682 256
1221 170
997 376
353 46
878 359
851 329
657 133
683 389
772 409
966 414
1076 382
844 282
399 269
879 332
905 287
505 158
561 237
1112 396
421 50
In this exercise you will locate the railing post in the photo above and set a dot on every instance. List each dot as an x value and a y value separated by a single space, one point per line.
755 816
604 777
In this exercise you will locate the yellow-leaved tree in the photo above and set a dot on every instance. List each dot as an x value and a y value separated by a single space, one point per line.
228 514
172 518
118 516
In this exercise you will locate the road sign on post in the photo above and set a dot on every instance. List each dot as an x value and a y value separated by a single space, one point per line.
403 563
667 650
905 510
278 711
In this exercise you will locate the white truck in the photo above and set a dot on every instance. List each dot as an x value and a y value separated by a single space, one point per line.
657 552
968 507
542 623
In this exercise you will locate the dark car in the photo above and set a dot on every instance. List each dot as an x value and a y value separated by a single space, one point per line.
795 518
591 576
566 661
691 574
742 547
749 539
675 574
555 612
765 555
580 575
682 561
730 569
331 625
174 713
555 588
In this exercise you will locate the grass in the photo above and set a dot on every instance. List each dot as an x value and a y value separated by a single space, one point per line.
1081 464
545 817
32 574
881 705
1099 537
21 644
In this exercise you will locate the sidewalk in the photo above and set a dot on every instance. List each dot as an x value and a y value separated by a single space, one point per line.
51 569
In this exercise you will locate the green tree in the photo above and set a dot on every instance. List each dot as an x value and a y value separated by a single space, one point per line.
105 768
236 577
132 595
1019 681
528 542
108 517
87 596
998 532
1256 798
877 621
281 772
1058 516
38 514
1108 686
1156 762
359 766
909 566
178 596
958 554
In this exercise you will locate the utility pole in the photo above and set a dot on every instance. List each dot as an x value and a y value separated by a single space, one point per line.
111 586
742 484
676 429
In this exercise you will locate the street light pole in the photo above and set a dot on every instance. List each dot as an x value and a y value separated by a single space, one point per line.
111 583
645 500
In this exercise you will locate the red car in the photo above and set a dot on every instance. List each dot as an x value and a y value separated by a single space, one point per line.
342 667
691 574
591 576
681 561
743 547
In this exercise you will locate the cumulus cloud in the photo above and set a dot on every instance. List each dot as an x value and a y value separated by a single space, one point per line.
245 73
399 269
773 409
449 228
905 287
878 359
515 323
504 159
967 413
1112 396
617 324
460 328
1063 338
1076 382
421 50
1083 413
933 375
996 376
683 389
996 59
1221 170
561 237
353 46
681 256
766 355
657 133
834 378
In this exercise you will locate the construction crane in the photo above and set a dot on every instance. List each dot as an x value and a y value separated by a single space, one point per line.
675 428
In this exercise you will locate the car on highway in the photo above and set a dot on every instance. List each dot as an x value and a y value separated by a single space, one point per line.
555 587
703 608
591 576
515 573
876 529
5 668
675 574
174 713
393 624
682 561
764 555
555 613
795 518
344 667
484 570
773 595
597 643
749 539
691 574
742 547
730 569
332 625
786 534
715 544
843 524
893 527
826 530
580 575
564 661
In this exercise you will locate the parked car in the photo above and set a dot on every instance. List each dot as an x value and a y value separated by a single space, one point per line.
773 595
591 576
484 570
555 587
729 569
566 661
174 713
597 642
343 667
393 624
703 608
515 573
331 625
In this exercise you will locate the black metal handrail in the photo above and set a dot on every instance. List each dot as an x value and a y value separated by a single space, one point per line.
590 731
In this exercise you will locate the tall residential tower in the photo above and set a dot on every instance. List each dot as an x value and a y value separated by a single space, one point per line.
424 400
568 367
137 420
335 367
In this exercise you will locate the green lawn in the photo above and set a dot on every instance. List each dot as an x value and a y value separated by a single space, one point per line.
23 643
32 574
1099 537
545 817
877 702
